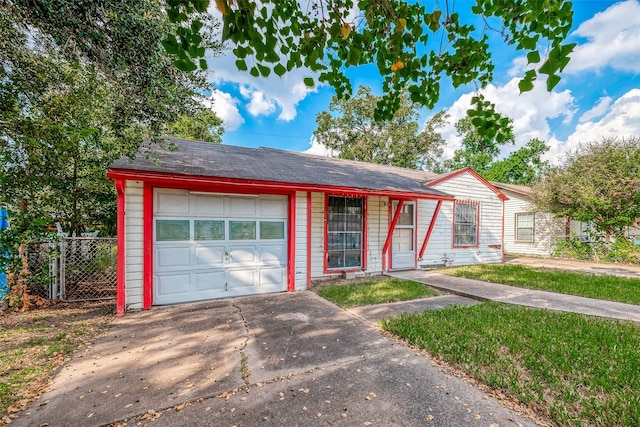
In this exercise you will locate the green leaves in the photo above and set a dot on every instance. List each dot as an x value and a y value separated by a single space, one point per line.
533 57
281 35
597 183
98 81
557 59
351 128
487 122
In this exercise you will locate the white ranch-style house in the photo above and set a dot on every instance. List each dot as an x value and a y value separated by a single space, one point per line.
209 221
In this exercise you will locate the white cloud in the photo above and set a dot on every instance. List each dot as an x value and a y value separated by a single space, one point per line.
613 40
284 92
318 149
621 121
600 108
226 108
529 112
258 105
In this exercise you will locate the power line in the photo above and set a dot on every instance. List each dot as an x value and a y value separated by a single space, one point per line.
269 134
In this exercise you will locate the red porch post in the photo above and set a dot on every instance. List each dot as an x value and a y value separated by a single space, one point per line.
392 227
430 229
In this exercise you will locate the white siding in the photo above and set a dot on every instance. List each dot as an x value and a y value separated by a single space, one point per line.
464 187
301 240
317 234
546 227
134 252
378 226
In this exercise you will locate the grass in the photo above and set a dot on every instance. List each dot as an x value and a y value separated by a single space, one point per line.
612 288
574 369
373 291
35 343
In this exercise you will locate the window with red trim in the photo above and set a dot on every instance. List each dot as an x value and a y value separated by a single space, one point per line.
344 232
465 223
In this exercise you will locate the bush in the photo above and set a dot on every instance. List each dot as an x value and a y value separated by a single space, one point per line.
620 250
573 248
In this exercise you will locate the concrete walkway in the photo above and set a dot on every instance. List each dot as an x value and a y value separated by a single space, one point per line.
623 270
484 291
374 313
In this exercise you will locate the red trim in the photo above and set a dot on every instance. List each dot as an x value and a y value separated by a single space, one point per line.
240 186
432 224
502 236
309 236
147 220
470 171
291 244
365 232
392 227
121 277
415 235
453 223
325 244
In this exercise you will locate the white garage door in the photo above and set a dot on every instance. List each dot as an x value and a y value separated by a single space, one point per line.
214 246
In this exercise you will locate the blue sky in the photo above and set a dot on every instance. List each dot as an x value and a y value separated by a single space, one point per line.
599 95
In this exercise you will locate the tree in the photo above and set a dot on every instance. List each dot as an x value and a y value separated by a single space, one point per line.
121 40
597 183
203 125
523 166
81 84
413 46
477 151
349 128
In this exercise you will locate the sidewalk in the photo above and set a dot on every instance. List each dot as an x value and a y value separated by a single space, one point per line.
589 267
484 291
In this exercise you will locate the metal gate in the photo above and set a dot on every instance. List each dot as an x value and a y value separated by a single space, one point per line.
87 268
73 269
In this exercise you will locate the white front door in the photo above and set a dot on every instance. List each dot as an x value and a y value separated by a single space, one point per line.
214 246
403 252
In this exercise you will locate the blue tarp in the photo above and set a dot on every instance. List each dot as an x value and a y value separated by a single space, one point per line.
4 223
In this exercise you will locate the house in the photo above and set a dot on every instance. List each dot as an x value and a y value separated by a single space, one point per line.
529 231
205 221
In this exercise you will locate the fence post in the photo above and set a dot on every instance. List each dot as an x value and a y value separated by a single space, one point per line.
61 269
53 267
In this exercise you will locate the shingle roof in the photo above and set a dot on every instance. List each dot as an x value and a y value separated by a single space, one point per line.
204 159
519 189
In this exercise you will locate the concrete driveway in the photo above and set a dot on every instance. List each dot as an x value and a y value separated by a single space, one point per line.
277 359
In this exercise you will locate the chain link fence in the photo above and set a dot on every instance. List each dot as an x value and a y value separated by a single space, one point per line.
73 269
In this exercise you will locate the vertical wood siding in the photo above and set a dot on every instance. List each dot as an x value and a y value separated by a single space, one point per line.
317 234
133 245
378 222
301 240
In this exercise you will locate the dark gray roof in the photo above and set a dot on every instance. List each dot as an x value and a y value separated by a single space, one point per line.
518 189
267 164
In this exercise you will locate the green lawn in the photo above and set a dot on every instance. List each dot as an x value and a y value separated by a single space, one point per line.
374 291
575 369
611 288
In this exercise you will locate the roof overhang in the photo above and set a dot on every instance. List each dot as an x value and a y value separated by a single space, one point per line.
244 186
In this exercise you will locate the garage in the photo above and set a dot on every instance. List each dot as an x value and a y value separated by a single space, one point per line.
212 245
